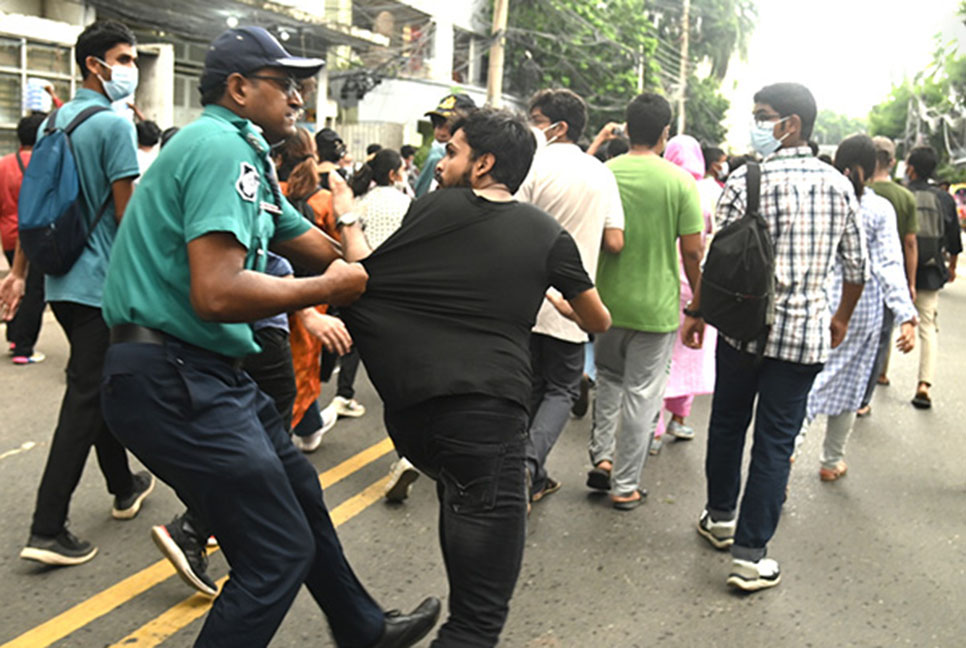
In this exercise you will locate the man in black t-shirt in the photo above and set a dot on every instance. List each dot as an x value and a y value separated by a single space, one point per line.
444 329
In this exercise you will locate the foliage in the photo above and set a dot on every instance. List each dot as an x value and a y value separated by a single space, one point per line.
704 109
832 127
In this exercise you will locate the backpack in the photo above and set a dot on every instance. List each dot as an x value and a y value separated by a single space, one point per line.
52 224
931 271
737 283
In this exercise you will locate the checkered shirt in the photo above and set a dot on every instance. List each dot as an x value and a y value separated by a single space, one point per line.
812 214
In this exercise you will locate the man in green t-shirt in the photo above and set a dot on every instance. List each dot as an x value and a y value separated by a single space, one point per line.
185 279
640 286
908 224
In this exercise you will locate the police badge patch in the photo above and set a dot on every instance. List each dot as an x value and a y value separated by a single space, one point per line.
247 183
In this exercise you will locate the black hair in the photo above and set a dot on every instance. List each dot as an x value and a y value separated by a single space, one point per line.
99 37
711 155
168 134
28 126
562 105
373 148
826 158
213 94
407 150
790 99
924 160
377 169
507 137
149 133
329 145
854 153
647 116
814 148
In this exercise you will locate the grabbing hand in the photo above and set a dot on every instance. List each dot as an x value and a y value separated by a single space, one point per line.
692 332
562 305
345 282
11 292
331 331
838 329
906 341
341 195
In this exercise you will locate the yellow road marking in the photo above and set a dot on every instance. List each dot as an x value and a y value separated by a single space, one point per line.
85 612
159 629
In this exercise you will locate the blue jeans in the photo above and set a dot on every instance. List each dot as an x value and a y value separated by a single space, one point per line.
782 390
473 446
204 428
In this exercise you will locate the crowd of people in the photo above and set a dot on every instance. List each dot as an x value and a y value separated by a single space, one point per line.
522 270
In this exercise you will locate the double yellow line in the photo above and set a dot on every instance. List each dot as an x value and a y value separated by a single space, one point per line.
177 617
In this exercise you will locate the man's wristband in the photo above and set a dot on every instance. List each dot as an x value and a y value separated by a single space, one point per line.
693 313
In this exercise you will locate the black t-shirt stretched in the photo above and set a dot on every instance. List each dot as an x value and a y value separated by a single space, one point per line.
453 294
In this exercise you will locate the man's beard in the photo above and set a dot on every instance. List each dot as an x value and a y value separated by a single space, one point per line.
464 181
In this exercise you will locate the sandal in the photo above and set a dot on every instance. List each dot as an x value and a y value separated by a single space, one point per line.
832 474
922 400
551 486
629 504
598 478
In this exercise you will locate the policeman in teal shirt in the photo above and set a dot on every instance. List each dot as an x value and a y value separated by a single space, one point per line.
184 282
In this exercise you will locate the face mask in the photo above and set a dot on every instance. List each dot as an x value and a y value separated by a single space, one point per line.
543 131
123 83
723 171
763 139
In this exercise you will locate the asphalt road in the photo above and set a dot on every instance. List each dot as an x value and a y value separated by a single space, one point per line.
876 559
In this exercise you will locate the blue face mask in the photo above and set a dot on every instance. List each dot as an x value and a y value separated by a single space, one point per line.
123 81
763 138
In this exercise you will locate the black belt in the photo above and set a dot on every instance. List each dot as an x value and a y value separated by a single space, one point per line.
125 333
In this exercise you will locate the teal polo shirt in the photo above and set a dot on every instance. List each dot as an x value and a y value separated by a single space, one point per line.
211 177
105 150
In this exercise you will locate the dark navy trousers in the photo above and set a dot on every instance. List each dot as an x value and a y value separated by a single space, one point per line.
202 426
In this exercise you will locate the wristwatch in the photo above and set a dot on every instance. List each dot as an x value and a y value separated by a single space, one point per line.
692 313
347 219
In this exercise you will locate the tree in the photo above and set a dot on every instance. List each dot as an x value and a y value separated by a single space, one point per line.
832 127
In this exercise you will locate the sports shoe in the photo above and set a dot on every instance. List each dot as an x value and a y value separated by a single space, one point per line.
402 474
753 576
126 508
64 549
349 407
680 430
311 443
186 554
31 359
721 535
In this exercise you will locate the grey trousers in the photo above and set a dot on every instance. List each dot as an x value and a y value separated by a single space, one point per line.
837 432
632 372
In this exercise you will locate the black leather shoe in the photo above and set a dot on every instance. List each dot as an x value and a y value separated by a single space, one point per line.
406 629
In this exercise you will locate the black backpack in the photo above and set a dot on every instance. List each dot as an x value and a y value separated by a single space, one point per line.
931 271
738 281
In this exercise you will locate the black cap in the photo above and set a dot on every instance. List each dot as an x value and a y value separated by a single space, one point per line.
246 49
449 104
327 135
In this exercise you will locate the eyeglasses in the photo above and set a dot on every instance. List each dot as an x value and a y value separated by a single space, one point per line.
288 85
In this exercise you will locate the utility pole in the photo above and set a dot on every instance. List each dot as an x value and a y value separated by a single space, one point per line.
683 70
641 67
494 80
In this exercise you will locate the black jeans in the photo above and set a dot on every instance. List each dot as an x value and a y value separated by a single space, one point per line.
782 392
349 367
24 329
206 429
474 447
80 424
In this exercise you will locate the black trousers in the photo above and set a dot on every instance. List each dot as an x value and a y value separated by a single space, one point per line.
474 447
205 428
24 329
80 424
272 370
349 367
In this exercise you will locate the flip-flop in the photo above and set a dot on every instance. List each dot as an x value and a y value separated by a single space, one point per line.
598 479
922 401
552 486
863 411
883 380
630 505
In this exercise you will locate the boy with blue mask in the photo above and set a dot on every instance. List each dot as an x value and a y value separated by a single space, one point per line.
812 216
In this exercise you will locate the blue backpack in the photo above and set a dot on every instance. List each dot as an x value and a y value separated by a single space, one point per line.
53 228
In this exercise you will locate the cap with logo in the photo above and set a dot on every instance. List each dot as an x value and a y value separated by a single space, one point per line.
246 49
449 104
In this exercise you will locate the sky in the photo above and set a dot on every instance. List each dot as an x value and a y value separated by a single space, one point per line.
849 53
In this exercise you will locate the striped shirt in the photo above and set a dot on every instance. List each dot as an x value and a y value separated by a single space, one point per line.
812 214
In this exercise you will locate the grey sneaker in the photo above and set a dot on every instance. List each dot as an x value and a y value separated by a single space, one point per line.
62 550
127 507
721 535
753 576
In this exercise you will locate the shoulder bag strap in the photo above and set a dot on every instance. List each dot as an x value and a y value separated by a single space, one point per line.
20 164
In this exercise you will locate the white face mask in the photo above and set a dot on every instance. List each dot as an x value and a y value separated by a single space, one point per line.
553 139
723 171
123 82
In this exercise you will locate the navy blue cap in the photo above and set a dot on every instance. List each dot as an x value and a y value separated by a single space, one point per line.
245 49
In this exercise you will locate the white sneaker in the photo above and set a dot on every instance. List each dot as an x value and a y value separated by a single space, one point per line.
753 576
402 474
680 431
312 442
349 407
721 535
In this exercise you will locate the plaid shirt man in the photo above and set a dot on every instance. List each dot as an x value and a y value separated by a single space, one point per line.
812 214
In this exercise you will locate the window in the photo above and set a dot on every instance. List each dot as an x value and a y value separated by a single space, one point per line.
22 59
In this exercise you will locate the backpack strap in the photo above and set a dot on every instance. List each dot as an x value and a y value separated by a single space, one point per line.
82 117
753 182
51 122
20 164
